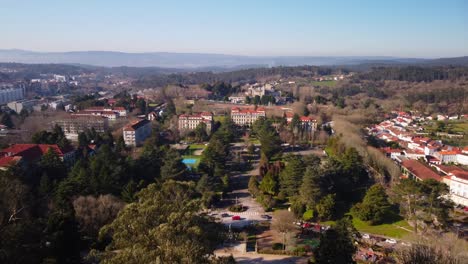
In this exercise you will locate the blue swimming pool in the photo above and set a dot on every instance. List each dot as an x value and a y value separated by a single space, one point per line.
189 161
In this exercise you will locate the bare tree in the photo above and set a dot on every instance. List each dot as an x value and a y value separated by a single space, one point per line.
94 212
283 222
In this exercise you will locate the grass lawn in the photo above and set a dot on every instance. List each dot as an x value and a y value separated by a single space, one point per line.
219 118
197 146
389 230
254 141
324 83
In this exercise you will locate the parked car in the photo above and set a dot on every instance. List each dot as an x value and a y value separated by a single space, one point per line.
236 218
390 241
224 215
365 236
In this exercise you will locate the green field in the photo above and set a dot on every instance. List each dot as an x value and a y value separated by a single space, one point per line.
197 146
389 230
324 83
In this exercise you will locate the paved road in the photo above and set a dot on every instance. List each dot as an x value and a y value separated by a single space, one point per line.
241 195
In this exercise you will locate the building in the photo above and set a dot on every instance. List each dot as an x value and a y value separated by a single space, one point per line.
74 125
237 99
245 117
255 90
459 186
121 111
26 154
135 133
447 156
107 114
17 106
8 94
190 122
414 169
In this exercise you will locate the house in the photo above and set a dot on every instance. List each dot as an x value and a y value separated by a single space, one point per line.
190 122
414 169
246 117
459 186
31 153
135 133
447 156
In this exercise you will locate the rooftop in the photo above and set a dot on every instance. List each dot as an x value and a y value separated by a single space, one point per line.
420 170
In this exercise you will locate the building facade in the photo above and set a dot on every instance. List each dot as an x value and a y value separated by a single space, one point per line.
74 125
9 94
190 122
459 187
135 133
246 117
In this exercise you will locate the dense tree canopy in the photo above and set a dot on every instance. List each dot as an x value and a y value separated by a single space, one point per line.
175 232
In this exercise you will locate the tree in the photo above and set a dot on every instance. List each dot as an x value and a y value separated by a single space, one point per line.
375 207
291 176
92 213
283 222
336 244
269 184
173 167
253 186
176 232
310 190
200 132
52 165
6 120
326 207
269 138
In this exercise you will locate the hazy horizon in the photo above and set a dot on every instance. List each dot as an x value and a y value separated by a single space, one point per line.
419 29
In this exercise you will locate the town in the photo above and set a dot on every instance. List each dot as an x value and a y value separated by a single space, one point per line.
223 132
255 151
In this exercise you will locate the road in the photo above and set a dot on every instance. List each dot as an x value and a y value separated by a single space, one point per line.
240 194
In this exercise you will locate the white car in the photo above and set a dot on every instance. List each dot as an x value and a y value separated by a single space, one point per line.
365 236
391 241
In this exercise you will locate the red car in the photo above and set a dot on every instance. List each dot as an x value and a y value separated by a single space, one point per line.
236 217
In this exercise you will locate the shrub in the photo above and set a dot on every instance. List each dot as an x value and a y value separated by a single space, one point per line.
237 208
309 214
277 246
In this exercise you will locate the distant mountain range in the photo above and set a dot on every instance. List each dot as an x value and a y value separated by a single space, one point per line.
203 60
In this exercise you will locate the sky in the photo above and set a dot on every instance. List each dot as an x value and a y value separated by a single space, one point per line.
401 28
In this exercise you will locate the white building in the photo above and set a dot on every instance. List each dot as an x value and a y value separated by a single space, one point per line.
137 132
120 111
17 106
245 117
9 94
190 122
459 187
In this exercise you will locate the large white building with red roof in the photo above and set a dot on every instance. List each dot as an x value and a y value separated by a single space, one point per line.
190 122
246 117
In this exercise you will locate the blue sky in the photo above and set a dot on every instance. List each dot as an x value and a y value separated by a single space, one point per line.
411 28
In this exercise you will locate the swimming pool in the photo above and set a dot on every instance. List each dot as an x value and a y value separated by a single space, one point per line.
189 161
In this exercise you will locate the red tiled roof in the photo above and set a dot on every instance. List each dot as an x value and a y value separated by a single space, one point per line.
30 152
9 161
136 125
420 171
460 174
449 152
